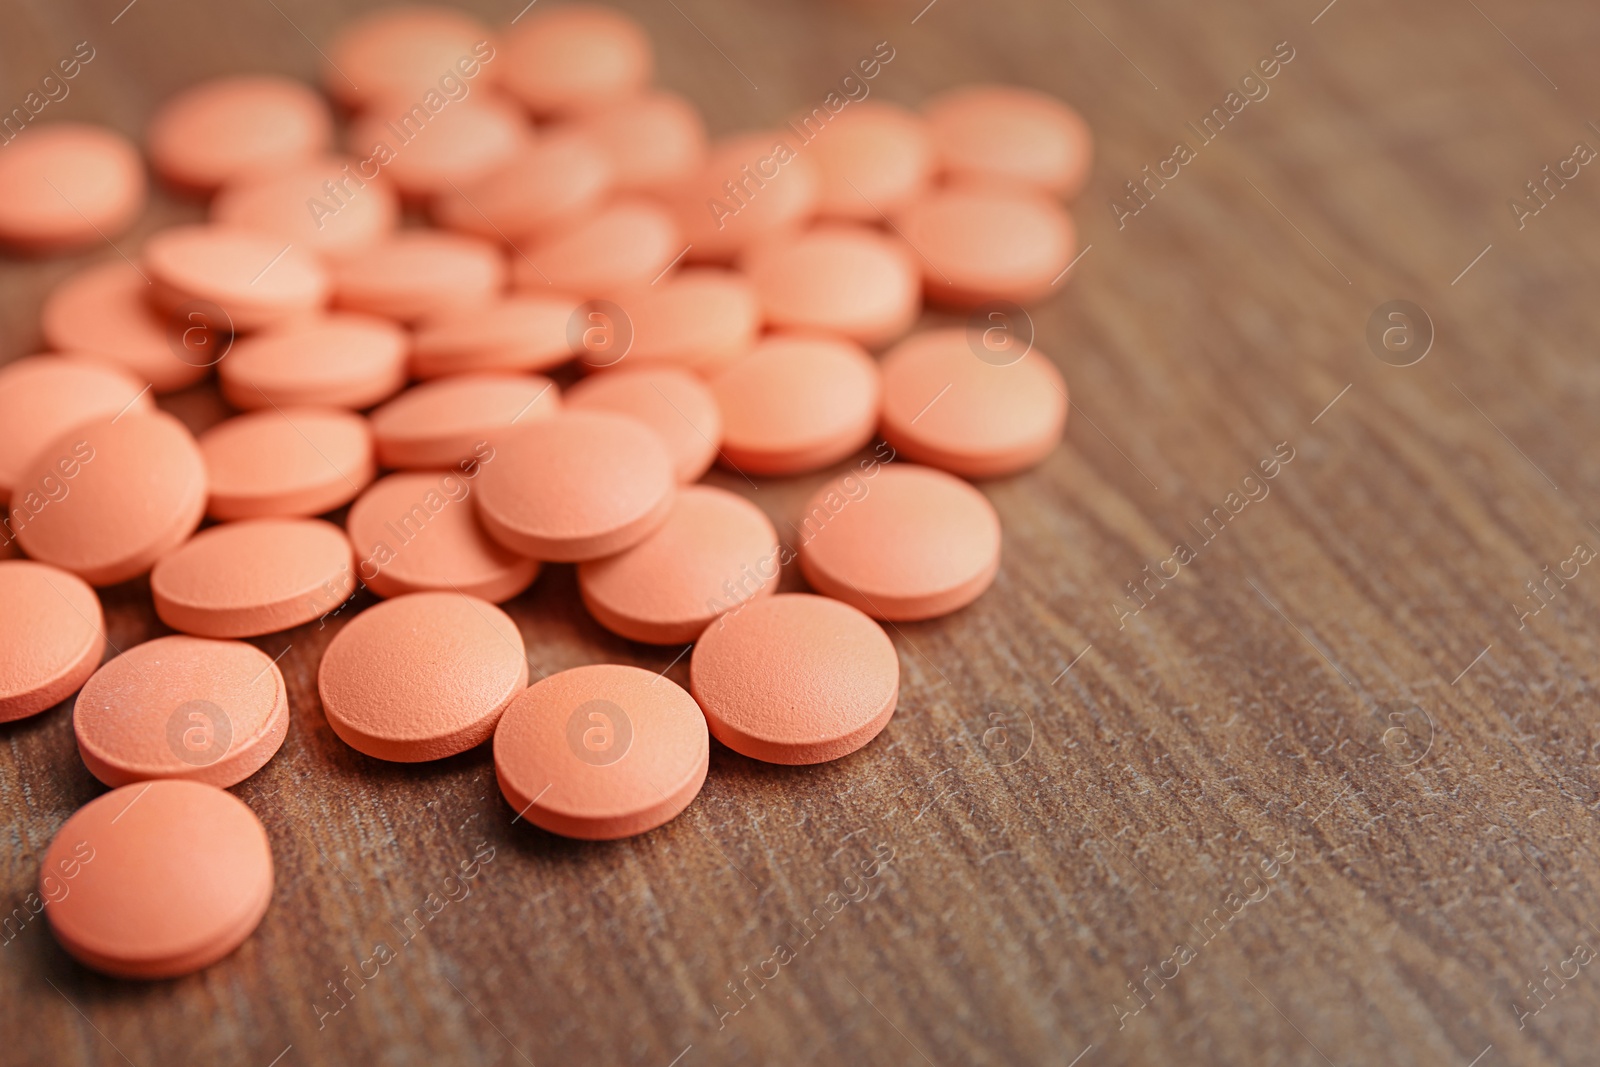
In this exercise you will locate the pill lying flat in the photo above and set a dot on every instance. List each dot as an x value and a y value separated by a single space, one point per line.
286 462
42 397
52 635
106 311
227 128
677 405
67 185
441 423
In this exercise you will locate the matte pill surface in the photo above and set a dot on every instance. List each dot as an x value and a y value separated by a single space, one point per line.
795 679
977 416
167 878
228 128
68 184
106 311
841 279
42 397
244 579
652 140
876 158
715 551
318 205
256 279
182 707
573 57
675 404
989 243
601 752
286 463
443 422
52 635
341 360
421 677
462 143
136 490
1001 131
526 332
796 403
557 179
578 486
628 244
418 531
702 319
417 273
919 544
403 52
775 188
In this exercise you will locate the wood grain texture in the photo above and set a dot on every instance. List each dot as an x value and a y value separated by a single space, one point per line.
1069 793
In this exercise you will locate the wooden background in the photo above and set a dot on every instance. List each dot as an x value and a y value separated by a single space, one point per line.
1055 836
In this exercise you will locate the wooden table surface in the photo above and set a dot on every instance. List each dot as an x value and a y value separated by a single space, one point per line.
1327 795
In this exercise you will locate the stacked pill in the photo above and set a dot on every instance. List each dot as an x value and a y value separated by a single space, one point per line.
503 306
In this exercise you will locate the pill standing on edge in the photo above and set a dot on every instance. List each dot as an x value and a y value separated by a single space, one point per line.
52 635
168 878
42 397
403 51
106 311
1010 133
628 244
182 707
843 279
321 205
570 58
524 332
978 243
454 419
256 278
227 128
652 140
422 676
286 462
601 752
795 679
413 274
875 159
343 360
675 404
67 185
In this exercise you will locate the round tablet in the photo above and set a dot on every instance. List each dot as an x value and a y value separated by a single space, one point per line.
42 397
702 319
977 416
260 576
674 403
569 58
1001 131
715 551
919 544
106 311
415 532
403 52
68 184
751 186
182 707
166 878
580 485
131 488
558 178
652 140
518 333
841 279
422 676
417 273
228 128
601 752
52 635
340 360
447 421
976 244
333 206
426 151
629 244
286 463
876 158
795 679
256 279
796 404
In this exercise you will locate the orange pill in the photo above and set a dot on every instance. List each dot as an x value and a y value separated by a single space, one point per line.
260 576
918 544
983 243
652 140
875 159
601 752
796 403
751 186
795 679
286 462
256 279
450 420
422 676
580 485
106 311
1001 131
626 245
228 128
182 707
340 360
415 532
331 206
120 494
970 410
42 397
52 635
557 179
715 551
518 333
574 57
417 273
672 402
67 185
702 319
405 52
423 152
839 279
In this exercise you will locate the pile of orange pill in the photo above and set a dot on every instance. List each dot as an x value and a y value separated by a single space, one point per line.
500 304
